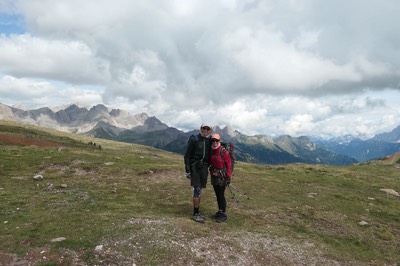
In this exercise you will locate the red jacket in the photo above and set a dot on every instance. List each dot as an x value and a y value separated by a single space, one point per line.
220 160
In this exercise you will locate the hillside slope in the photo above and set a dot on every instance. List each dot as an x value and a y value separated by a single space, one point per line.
125 204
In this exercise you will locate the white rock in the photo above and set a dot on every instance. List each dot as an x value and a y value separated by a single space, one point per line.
38 177
58 239
390 191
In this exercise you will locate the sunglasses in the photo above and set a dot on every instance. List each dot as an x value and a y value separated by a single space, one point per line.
206 128
215 140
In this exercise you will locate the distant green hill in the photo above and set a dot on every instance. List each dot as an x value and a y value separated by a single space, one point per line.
103 202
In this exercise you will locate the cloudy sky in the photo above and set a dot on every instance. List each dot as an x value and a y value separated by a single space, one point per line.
273 67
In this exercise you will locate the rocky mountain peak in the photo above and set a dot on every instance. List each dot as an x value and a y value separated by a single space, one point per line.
39 112
150 124
392 136
115 112
229 131
142 117
79 119
6 112
73 108
99 108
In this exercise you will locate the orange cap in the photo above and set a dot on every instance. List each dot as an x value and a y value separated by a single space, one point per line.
216 136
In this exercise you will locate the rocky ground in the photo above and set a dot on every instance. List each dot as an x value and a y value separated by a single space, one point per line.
235 248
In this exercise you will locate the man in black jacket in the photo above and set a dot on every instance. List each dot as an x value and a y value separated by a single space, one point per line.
197 158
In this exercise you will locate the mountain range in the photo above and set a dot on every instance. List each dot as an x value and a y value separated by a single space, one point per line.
115 124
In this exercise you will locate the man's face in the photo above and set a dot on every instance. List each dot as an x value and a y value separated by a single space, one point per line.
206 131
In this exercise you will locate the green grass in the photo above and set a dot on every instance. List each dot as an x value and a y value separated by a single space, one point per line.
136 201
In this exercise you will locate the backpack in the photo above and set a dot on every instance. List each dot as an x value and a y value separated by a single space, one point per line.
230 149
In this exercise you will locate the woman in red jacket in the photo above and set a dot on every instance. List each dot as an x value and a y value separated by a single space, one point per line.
221 172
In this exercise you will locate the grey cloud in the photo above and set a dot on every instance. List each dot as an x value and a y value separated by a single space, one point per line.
227 47
180 59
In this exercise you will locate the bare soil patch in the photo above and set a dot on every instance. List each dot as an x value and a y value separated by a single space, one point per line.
26 141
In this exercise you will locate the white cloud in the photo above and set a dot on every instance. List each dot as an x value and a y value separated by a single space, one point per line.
24 88
299 123
240 115
70 61
273 67
35 93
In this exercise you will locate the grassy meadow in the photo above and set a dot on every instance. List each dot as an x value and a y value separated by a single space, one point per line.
102 202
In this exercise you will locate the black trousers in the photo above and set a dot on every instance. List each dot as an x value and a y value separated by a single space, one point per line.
220 194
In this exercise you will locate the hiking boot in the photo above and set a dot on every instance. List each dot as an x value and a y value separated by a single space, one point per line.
222 217
216 215
198 218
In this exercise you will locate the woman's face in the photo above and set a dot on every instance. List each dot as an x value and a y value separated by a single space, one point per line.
214 143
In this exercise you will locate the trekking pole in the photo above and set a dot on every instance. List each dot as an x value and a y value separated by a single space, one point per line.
233 194
239 190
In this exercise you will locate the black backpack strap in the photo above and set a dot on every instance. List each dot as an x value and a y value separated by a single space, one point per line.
221 150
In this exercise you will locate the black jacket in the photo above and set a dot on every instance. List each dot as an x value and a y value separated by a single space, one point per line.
198 150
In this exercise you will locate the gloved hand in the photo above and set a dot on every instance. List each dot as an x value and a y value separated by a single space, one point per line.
228 180
188 175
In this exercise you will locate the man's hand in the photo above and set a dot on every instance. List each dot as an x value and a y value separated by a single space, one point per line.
188 175
228 180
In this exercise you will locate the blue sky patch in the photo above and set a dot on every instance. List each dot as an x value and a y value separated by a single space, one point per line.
11 24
